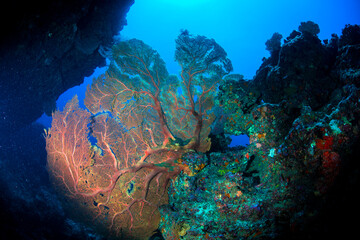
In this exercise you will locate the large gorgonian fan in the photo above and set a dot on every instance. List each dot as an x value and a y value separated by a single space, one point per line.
115 160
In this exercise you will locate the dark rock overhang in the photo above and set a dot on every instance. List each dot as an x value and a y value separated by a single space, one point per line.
49 47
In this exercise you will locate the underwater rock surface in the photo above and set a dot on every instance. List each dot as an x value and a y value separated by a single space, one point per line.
49 47
302 115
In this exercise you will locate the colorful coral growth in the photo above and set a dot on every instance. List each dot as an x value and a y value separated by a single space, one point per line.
141 157
114 160
299 140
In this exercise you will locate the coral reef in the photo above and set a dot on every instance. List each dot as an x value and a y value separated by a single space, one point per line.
274 43
309 27
302 114
150 156
302 72
114 161
348 60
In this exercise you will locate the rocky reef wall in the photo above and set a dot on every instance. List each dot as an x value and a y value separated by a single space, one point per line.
297 178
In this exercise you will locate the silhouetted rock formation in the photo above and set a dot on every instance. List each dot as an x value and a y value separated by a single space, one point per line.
301 72
49 47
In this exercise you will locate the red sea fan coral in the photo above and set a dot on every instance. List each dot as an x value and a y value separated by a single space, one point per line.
114 160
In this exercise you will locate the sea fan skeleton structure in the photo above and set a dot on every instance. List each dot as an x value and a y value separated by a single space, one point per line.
114 159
